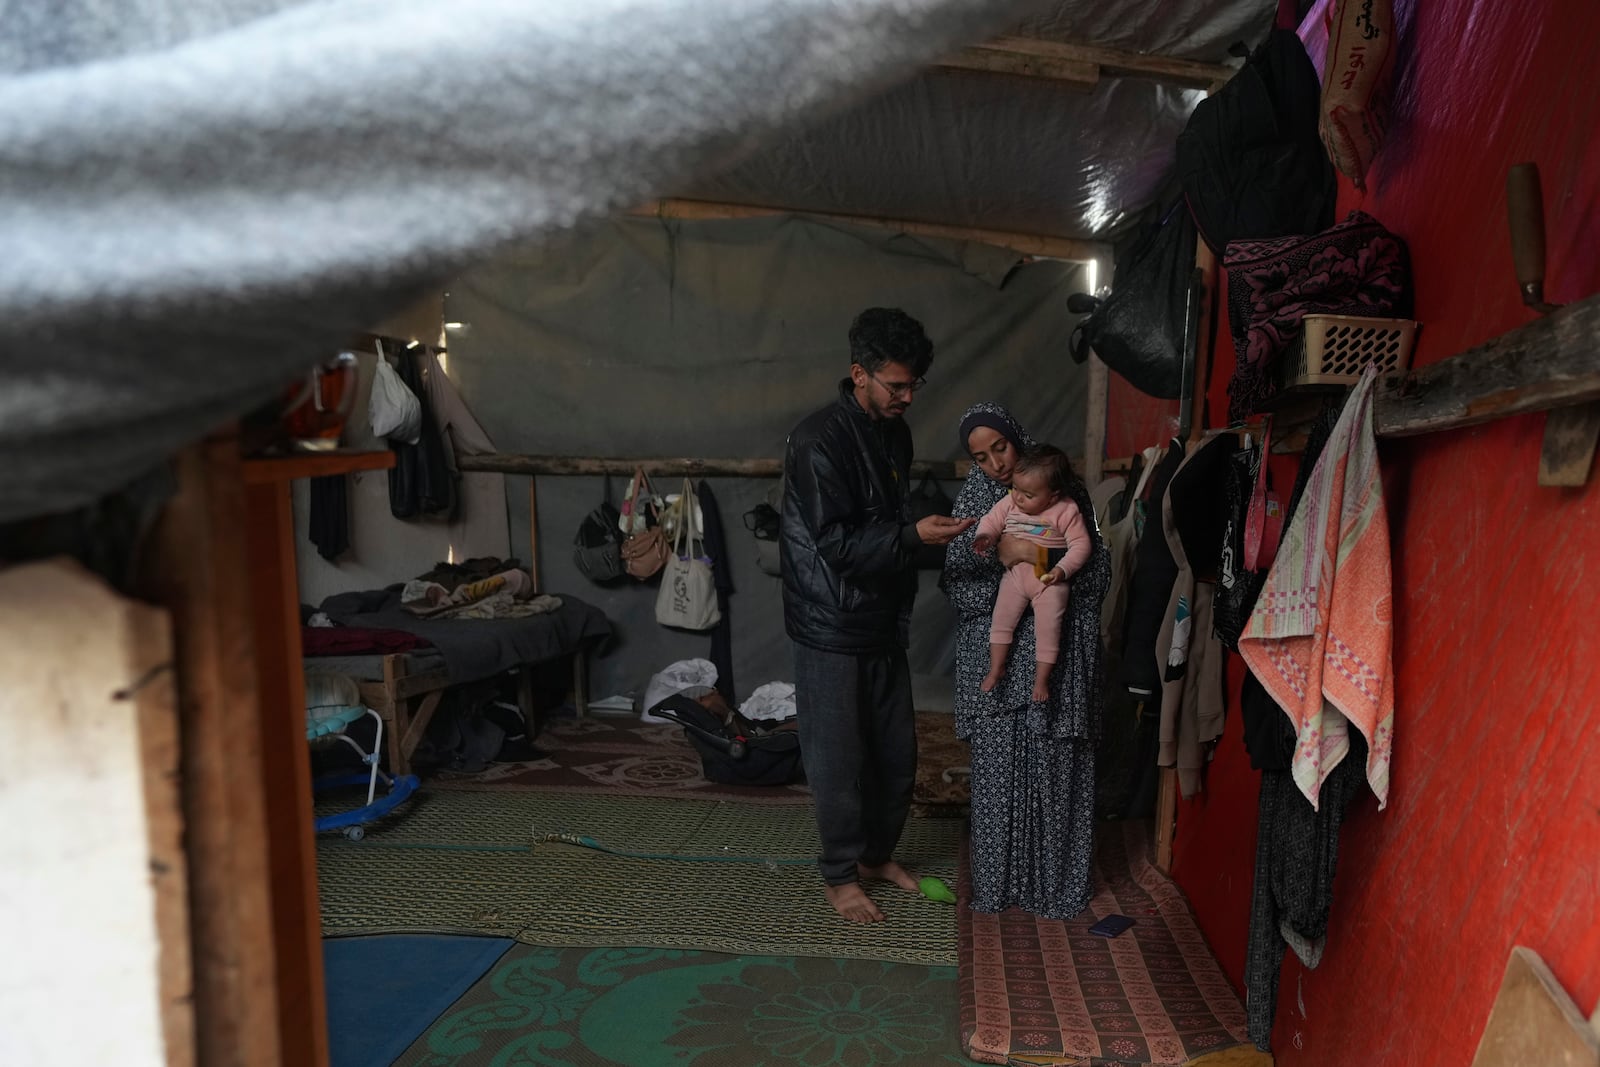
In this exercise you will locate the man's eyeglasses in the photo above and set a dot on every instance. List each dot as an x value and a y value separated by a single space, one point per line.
899 389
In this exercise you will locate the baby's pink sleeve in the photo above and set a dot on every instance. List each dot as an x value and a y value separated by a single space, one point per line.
1076 531
993 524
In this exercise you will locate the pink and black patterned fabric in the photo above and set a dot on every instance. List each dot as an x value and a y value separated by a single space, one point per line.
1353 268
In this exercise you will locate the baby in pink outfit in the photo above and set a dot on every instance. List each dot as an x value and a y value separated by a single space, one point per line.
1038 510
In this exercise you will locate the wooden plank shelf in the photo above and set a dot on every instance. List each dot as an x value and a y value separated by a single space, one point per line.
267 469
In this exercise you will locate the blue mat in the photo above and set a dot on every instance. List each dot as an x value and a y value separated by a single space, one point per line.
383 992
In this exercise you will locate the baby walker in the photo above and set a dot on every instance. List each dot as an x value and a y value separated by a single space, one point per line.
332 705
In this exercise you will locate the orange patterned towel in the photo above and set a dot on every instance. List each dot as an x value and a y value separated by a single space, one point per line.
1321 636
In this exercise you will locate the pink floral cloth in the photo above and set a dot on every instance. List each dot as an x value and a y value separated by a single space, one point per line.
1354 268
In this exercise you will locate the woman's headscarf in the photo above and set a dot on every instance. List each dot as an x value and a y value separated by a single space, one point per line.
980 492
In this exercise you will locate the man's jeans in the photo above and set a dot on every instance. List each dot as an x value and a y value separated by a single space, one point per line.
858 739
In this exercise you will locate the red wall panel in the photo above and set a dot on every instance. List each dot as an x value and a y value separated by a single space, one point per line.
1492 835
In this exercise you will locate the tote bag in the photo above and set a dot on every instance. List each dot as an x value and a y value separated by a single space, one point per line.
687 599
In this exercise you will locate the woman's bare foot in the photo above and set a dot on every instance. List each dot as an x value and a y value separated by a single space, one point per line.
891 872
852 902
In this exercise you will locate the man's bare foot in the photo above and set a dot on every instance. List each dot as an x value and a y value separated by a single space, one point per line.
991 680
891 872
852 902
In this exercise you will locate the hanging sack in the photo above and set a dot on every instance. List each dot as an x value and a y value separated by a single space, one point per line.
597 548
394 409
929 498
1358 85
645 550
735 751
1140 330
687 599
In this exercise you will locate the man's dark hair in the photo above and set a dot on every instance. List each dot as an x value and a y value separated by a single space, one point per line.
1053 463
880 336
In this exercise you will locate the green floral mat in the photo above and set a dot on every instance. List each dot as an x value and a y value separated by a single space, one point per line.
613 1007
460 861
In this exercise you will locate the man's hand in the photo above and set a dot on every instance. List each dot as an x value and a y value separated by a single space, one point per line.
1014 550
941 529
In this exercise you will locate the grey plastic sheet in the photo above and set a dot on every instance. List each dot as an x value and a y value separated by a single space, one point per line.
711 340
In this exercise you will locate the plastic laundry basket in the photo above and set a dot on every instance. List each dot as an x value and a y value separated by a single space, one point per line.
1334 349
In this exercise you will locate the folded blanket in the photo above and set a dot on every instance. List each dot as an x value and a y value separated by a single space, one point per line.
1321 637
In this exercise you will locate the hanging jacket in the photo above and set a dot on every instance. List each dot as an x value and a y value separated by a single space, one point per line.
1151 587
420 482
845 535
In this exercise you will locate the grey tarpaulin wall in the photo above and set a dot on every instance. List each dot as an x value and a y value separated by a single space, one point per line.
711 340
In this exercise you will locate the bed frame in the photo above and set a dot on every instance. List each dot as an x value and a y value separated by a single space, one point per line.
406 702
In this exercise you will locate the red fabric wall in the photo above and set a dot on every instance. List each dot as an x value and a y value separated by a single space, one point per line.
1492 834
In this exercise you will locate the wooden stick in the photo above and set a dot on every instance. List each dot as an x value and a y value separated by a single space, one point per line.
1072 60
1042 245
676 467
533 529
1543 364
1072 73
1094 420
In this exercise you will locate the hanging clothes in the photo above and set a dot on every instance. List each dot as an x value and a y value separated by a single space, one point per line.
1193 701
1321 636
420 482
716 546
1151 587
329 525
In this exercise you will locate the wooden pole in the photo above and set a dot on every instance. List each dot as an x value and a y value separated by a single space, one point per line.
1084 64
1041 245
533 530
667 467
1094 421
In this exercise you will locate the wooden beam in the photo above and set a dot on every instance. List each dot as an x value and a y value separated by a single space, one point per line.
1550 362
1072 73
1041 245
596 466
1569 442
197 569
1070 61
281 748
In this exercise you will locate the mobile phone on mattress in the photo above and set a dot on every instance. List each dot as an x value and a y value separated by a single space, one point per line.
1111 926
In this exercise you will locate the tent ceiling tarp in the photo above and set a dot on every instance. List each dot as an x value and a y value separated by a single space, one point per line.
1004 152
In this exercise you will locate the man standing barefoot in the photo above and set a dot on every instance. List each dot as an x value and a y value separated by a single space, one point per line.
848 585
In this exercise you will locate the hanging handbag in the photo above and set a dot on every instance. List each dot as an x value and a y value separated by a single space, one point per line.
687 599
645 551
597 548
1249 542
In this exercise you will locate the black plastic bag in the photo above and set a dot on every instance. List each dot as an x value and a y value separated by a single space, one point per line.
1139 330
